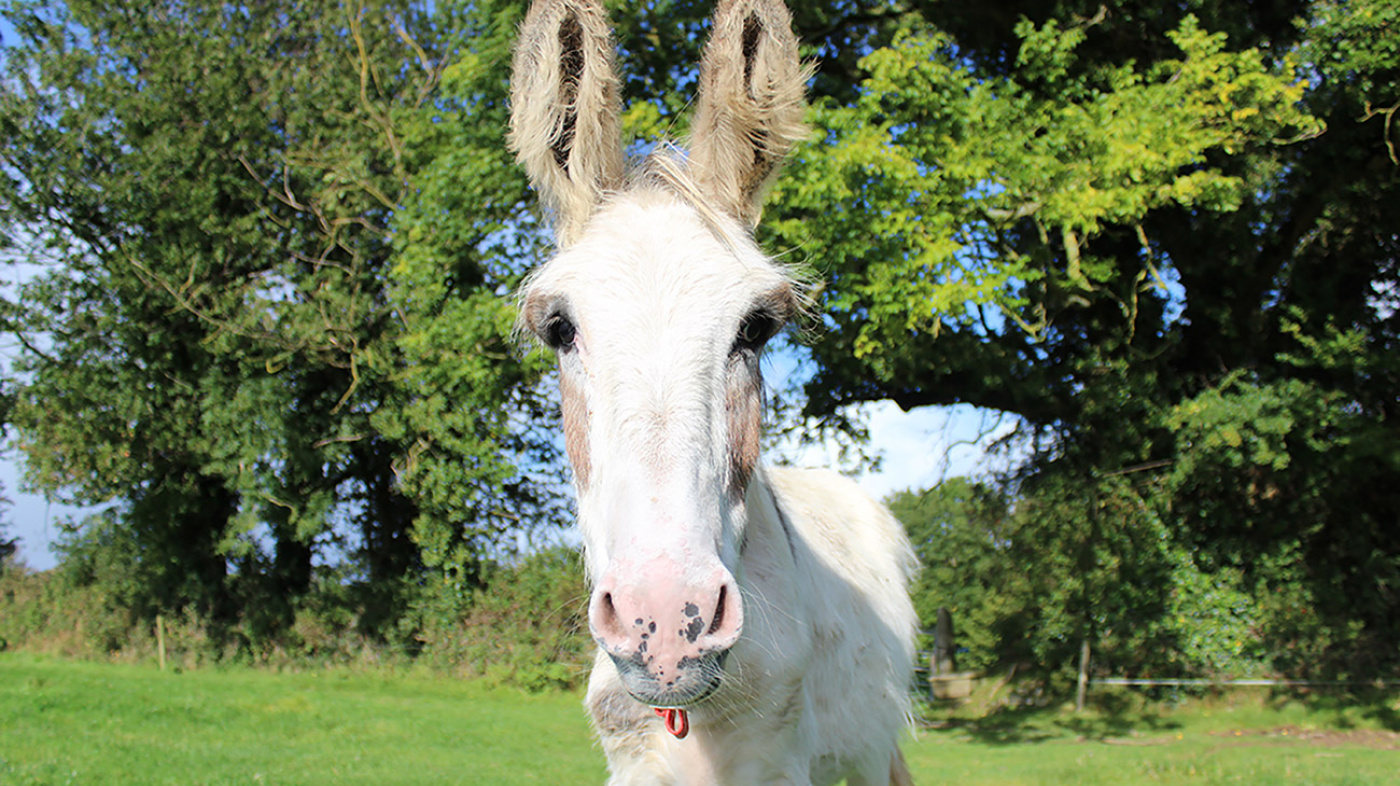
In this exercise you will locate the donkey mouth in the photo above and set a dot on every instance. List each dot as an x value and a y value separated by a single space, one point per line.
689 682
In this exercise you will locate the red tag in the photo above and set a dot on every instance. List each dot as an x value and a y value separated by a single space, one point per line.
677 722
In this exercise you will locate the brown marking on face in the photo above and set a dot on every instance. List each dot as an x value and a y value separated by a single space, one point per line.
534 309
743 401
574 408
535 312
743 396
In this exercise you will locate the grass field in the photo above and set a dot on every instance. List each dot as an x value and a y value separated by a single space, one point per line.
84 723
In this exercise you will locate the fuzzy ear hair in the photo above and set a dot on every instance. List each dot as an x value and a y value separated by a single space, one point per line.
565 105
749 110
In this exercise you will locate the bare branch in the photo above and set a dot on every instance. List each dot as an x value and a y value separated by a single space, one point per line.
1389 115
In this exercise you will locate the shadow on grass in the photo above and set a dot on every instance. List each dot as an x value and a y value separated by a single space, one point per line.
1385 712
1113 716
1350 707
1021 725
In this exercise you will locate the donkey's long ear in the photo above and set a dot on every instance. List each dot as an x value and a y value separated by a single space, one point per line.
565 105
749 110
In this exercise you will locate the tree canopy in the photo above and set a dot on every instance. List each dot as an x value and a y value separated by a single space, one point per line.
1166 242
259 316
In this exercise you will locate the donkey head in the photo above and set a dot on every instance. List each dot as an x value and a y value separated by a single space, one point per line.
658 304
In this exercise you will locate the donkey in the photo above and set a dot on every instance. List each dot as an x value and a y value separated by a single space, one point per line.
753 624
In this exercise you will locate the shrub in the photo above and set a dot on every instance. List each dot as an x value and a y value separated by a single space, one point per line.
527 627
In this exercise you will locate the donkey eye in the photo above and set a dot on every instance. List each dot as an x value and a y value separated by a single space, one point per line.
756 329
558 333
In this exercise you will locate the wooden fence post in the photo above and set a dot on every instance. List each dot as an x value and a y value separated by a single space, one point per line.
944 647
1079 695
160 640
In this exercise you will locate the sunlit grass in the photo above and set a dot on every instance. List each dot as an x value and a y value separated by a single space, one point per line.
86 723
63 722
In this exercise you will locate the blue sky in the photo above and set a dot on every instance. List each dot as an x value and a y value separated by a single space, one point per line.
31 518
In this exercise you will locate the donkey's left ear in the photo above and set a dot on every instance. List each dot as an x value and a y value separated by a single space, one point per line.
749 110
565 105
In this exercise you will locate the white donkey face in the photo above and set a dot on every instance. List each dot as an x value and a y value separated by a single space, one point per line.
658 317
658 306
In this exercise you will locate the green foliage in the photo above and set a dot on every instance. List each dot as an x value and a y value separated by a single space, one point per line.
1216 622
527 626
8 547
1166 244
1003 588
1027 580
480 457
941 168
270 319
957 529
1352 43
1284 484
1259 549
42 606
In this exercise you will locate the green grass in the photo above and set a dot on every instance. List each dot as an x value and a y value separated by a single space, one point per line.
85 723
88 723
1245 738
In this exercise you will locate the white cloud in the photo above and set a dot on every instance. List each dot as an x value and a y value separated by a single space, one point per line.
917 449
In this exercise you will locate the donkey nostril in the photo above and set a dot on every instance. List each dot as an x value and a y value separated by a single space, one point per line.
719 611
607 613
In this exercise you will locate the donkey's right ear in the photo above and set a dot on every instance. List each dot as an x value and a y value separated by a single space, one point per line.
565 105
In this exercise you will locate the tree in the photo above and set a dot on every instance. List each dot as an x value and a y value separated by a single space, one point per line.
1138 231
210 194
1029 577
945 188
476 424
959 530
